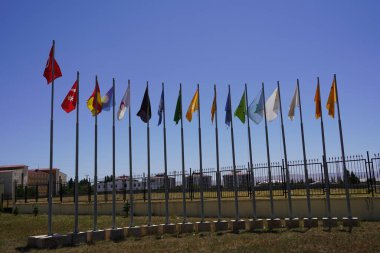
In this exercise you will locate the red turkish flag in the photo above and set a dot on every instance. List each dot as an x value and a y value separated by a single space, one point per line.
70 101
48 68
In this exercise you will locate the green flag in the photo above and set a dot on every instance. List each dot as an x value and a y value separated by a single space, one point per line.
178 109
241 109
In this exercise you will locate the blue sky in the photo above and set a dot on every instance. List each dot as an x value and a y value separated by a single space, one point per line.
205 42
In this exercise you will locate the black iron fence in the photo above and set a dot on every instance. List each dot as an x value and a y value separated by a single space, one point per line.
363 178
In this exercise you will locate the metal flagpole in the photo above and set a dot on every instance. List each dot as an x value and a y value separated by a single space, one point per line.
217 159
237 215
96 162
345 171
130 160
268 157
76 160
304 155
183 163
285 157
166 163
113 157
250 159
200 159
50 199
326 171
148 152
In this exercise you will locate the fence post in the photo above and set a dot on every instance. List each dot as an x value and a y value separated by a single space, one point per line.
15 187
283 179
74 193
15 194
48 192
247 176
60 190
36 196
89 191
26 194
370 175
124 190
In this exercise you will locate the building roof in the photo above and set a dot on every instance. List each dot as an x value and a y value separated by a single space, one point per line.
8 167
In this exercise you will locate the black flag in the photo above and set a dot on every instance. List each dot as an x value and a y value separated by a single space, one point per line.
145 110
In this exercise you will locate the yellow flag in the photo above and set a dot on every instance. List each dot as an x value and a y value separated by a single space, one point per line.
213 109
331 100
317 100
192 107
94 103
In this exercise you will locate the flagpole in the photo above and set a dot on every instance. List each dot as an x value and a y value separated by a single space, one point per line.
96 162
285 157
304 155
113 157
217 159
326 171
76 159
268 158
130 159
165 163
237 215
148 152
200 158
50 199
250 159
345 171
183 163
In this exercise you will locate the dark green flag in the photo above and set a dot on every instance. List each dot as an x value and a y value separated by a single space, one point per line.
241 109
178 109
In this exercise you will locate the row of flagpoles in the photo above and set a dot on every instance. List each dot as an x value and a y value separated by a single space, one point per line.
258 110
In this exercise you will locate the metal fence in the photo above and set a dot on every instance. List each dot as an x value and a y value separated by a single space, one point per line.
363 178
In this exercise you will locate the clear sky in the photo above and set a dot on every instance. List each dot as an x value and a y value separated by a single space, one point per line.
205 42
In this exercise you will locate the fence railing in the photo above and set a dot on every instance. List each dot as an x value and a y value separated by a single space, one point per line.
363 178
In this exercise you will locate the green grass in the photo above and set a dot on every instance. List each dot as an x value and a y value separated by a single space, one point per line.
14 231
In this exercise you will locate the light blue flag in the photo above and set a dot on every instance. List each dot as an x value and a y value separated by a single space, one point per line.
107 100
256 109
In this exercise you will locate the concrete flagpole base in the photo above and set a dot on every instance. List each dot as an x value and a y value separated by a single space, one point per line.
330 223
310 222
255 224
134 231
350 222
77 238
220 226
150 230
95 236
187 227
292 223
114 234
47 242
273 223
203 227
170 228
237 225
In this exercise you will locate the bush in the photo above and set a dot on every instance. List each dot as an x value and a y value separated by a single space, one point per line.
35 210
126 208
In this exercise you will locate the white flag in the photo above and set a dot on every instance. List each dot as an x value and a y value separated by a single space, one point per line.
295 102
124 104
272 105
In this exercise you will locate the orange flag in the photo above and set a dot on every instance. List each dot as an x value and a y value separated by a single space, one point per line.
317 100
331 100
